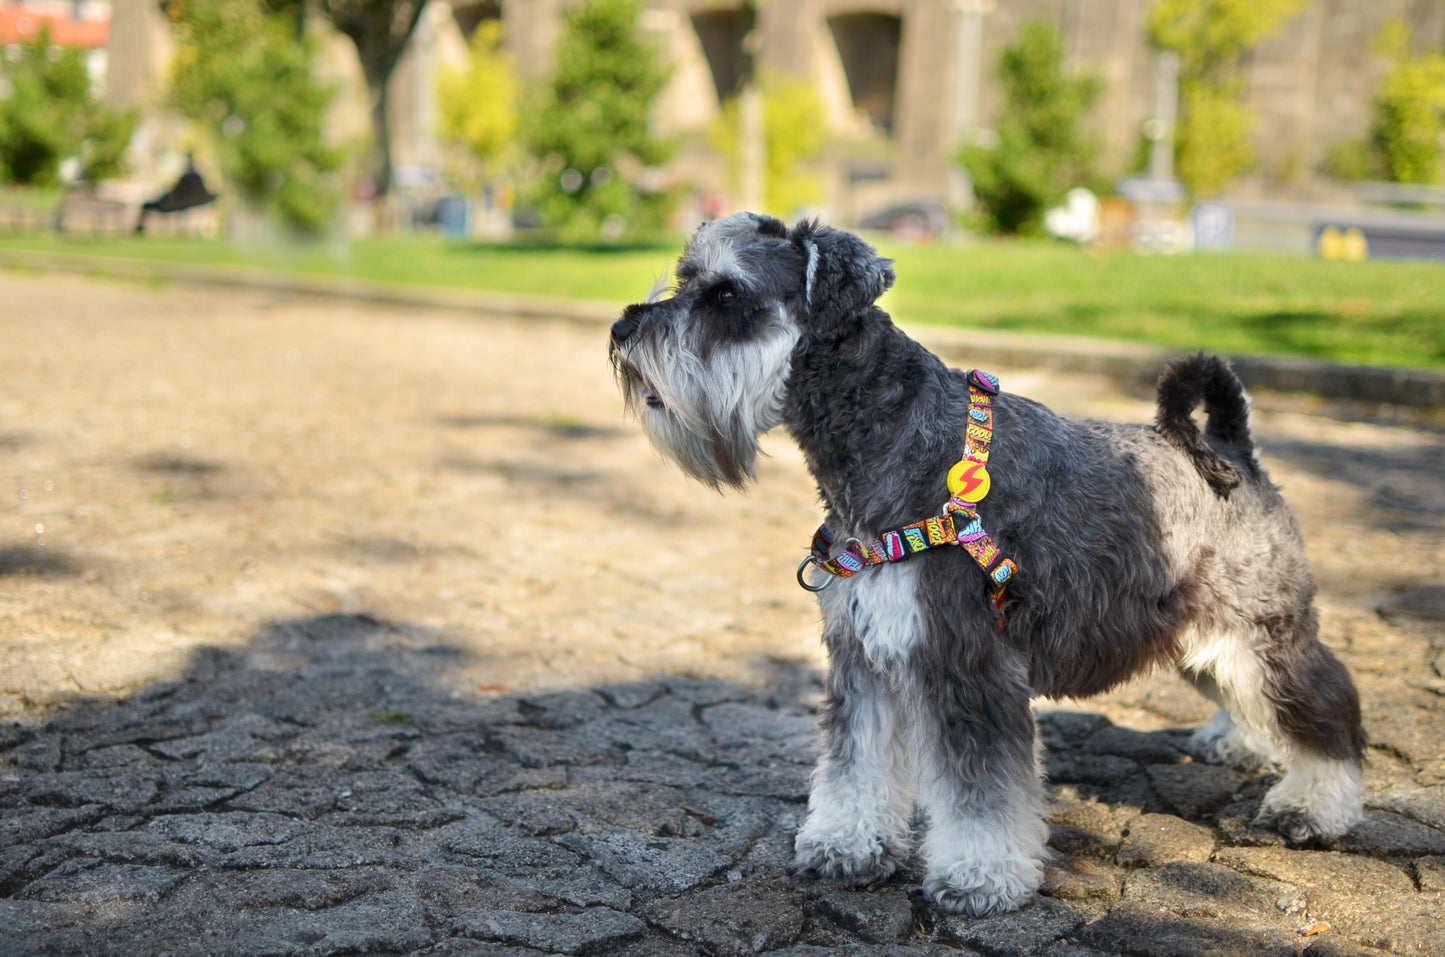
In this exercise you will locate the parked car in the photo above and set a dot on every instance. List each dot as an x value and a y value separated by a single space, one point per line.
918 220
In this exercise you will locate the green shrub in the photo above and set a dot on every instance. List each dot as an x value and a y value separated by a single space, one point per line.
1353 160
591 127
1408 121
1041 153
246 78
51 114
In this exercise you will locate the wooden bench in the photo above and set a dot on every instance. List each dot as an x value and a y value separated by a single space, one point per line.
85 215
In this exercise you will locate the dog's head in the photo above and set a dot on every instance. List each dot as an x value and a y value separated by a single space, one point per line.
704 362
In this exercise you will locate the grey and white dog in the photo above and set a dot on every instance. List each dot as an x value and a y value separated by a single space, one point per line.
1136 546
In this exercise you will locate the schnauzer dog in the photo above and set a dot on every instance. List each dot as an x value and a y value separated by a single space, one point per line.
1129 546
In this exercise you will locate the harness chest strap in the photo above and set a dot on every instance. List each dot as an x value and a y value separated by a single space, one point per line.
968 483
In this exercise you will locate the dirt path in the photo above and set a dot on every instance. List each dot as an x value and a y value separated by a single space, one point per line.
184 466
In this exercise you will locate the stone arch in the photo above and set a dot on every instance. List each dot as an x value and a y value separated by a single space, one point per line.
470 13
723 34
868 45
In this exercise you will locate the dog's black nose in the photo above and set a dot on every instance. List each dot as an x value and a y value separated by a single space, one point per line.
623 329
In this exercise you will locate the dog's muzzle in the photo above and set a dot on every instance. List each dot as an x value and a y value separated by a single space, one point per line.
626 327
622 330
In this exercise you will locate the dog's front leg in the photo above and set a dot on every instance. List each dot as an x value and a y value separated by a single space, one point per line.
978 779
860 806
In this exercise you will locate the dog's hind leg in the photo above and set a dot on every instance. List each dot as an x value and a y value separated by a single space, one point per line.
1317 710
979 782
1287 698
1223 740
860 806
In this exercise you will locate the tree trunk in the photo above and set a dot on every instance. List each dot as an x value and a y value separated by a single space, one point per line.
380 91
380 29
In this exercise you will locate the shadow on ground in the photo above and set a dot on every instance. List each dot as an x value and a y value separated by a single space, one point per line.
326 790
1407 484
35 560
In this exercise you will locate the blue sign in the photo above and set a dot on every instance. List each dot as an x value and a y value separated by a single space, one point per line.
1213 226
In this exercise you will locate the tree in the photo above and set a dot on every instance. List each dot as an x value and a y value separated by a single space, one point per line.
52 114
1041 151
380 29
592 125
243 75
1212 37
477 105
793 135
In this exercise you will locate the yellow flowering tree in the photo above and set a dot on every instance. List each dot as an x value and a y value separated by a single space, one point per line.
1212 36
794 134
1409 109
477 104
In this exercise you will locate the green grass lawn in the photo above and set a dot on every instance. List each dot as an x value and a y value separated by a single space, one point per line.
1377 312
603 273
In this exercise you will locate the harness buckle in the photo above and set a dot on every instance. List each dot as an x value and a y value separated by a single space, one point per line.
803 581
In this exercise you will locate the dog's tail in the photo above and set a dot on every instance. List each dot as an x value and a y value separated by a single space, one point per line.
1187 381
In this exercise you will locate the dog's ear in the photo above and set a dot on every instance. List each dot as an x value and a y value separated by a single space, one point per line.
844 274
770 226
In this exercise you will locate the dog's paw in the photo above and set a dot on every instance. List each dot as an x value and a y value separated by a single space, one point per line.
979 892
1220 741
1302 826
863 866
1295 824
1316 800
1225 751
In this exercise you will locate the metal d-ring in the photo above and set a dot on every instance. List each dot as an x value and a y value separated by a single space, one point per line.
804 582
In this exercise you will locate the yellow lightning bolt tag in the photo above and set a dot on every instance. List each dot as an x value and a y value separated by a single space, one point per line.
969 481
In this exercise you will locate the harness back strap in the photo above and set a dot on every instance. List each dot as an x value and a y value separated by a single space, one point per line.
968 483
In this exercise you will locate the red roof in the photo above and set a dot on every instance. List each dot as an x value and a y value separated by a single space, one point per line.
19 25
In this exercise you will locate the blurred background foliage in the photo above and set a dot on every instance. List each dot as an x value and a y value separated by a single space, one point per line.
578 147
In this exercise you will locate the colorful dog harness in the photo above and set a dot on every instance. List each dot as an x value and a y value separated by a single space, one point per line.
968 483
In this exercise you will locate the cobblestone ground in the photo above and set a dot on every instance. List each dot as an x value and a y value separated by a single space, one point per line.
330 629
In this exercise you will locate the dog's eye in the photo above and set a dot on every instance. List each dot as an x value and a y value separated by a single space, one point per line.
725 295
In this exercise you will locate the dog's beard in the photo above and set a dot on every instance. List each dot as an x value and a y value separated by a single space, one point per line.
706 413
